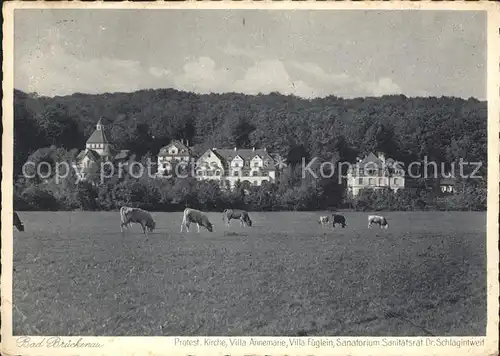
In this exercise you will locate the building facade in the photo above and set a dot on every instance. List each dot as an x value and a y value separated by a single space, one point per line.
374 172
447 186
98 149
251 167
171 155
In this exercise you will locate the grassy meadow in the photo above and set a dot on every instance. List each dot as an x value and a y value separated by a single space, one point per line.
75 274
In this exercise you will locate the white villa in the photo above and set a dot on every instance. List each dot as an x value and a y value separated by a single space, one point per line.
228 166
97 149
175 152
374 172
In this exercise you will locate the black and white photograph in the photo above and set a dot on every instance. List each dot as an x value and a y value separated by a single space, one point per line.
238 173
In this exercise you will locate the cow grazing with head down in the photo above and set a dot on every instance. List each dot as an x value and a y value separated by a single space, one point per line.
138 216
18 223
240 215
324 221
338 219
378 220
197 217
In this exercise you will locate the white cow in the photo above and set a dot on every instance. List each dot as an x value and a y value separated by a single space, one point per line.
130 215
197 217
324 221
378 219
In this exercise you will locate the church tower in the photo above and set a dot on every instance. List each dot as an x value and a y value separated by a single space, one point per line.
98 142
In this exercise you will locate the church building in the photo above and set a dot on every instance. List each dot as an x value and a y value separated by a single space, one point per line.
98 149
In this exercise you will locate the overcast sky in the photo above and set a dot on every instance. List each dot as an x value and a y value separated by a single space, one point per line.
306 53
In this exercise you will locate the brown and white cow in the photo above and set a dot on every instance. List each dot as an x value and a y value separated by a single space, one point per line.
240 215
130 215
378 220
197 217
324 221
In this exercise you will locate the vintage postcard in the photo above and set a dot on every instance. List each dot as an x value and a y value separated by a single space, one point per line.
240 178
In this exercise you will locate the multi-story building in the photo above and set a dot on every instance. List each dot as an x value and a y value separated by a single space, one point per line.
374 172
228 166
172 154
98 149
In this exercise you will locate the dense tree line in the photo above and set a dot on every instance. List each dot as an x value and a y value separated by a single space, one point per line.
334 129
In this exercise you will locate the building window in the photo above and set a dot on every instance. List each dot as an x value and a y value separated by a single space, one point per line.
266 163
255 182
236 164
370 181
217 173
255 173
360 181
235 173
361 171
200 173
256 164
381 181
395 181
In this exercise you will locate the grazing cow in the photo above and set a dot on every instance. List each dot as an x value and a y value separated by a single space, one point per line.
323 220
338 219
197 217
138 216
377 219
242 215
18 223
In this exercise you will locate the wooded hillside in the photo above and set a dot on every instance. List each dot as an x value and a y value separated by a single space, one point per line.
405 129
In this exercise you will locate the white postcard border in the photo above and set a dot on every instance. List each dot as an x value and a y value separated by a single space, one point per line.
170 345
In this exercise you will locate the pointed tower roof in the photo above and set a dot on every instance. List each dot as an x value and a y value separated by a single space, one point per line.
98 136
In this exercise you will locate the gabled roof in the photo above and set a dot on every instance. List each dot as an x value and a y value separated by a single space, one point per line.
245 153
179 145
371 161
91 154
211 151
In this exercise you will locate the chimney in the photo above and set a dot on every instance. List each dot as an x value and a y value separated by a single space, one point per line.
214 149
253 149
235 149
182 140
265 149
187 143
381 156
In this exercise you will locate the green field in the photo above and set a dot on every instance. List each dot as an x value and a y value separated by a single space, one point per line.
75 274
